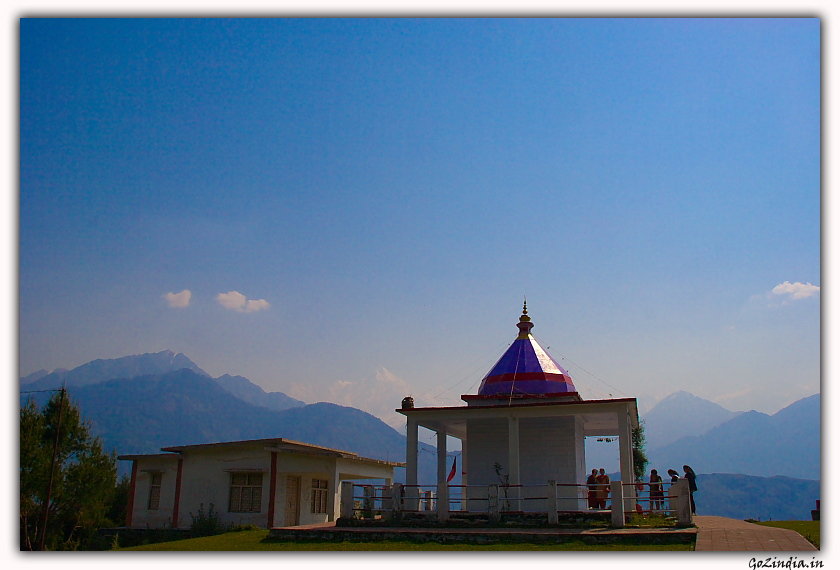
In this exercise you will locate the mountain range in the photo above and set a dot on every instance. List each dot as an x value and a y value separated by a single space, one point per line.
142 414
752 443
682 414
102 369
138 404
149 364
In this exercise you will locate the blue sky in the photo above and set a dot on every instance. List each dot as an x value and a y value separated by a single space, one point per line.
384 192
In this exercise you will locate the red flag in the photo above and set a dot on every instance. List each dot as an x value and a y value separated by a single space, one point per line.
452 472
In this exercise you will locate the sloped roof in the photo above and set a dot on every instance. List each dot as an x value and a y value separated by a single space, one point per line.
271 444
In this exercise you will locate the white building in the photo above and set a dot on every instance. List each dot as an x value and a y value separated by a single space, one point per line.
528 420
266 482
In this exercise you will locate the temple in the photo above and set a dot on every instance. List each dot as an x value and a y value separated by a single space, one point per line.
525 426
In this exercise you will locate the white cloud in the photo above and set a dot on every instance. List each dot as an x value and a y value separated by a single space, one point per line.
179 300
256 305
236 301
233 300
795 291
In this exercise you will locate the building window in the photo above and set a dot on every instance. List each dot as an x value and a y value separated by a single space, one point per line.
245 492
319 496
154 491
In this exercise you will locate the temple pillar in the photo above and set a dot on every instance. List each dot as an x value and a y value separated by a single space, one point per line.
625 450
464 480
412 493
442 485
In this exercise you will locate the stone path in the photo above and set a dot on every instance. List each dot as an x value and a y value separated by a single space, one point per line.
729 535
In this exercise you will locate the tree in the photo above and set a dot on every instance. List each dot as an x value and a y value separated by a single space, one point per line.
118 509
84 476
640 460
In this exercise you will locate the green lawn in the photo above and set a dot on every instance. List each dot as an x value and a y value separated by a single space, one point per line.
809 529
257 540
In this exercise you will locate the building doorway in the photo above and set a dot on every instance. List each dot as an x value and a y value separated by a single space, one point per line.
292 517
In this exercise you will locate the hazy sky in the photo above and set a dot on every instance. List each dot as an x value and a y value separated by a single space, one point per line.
307 201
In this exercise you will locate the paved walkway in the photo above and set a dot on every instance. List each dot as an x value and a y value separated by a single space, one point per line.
729 535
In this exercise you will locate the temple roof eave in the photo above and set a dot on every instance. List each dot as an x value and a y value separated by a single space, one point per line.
580 403
600 416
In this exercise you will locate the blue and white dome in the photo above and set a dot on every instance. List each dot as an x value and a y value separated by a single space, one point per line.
526 369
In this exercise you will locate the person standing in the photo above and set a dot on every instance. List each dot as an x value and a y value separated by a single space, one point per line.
692 485
657 497
672 503
592 489
603 488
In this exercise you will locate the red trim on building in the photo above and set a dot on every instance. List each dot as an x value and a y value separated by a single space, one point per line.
131 490
469 397
177 493
522 376
272 491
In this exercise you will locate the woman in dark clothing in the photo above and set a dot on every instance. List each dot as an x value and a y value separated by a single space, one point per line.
603 491
592 485
692 485
657 497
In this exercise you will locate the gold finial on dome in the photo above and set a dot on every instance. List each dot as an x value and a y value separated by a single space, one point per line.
524 318
524 325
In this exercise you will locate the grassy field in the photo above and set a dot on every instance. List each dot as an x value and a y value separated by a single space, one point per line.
257 540
809 529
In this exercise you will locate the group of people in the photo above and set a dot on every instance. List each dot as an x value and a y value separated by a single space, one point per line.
657 493
598 485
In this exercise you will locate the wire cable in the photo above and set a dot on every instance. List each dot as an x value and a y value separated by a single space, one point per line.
515 370
481 357
587 372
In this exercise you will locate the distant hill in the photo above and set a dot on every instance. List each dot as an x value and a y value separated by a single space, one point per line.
745 496
682 414
101 370
37 375
139 365
675 416
786 443
249 392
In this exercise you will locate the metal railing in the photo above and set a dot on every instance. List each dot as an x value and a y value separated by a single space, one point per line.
373 501
650 501
551 499
495 501
377 500
419 498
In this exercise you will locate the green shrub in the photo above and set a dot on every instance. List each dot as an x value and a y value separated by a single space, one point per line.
207 524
